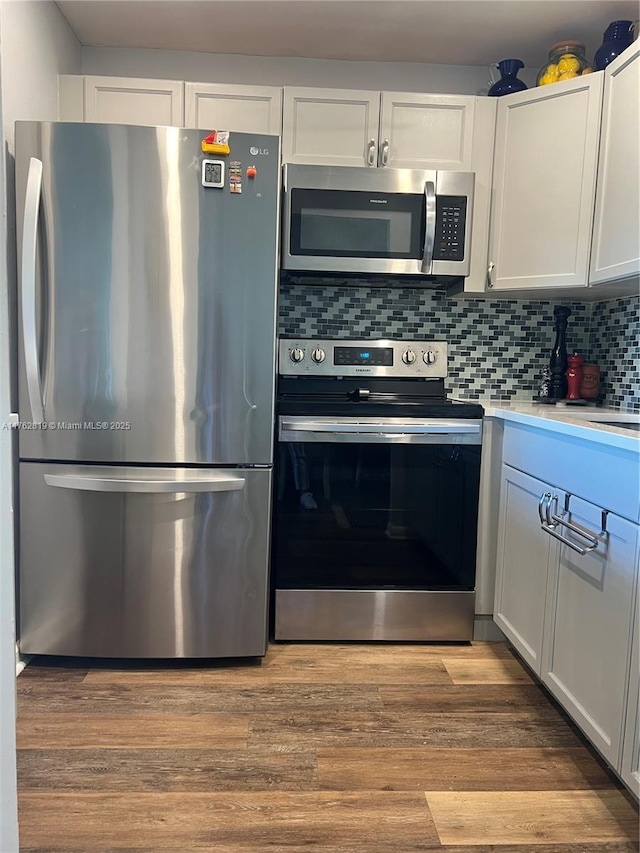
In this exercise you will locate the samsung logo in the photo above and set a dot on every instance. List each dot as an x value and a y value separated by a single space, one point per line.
378 201
363 370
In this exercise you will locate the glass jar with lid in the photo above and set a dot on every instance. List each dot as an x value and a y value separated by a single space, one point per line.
566 60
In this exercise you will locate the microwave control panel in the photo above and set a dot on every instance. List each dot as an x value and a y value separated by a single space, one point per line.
451 218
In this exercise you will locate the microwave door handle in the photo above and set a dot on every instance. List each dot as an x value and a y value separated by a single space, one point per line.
429 226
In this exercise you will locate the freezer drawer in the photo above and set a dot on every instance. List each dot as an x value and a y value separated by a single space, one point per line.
143 562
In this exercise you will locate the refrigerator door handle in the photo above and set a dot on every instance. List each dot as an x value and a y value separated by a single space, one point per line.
130 484
28 288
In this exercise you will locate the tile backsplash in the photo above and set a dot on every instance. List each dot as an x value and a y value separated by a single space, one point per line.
497 348
615 345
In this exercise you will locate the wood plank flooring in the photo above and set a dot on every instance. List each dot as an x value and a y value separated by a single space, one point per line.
335 749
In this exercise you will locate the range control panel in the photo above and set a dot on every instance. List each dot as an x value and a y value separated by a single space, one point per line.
390 358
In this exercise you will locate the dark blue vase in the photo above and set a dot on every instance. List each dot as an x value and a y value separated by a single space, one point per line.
617 37
508 82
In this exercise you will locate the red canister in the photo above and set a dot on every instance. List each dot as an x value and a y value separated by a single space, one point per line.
590 385
574 376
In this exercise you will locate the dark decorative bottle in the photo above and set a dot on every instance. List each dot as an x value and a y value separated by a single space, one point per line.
558 362
508 82
617 37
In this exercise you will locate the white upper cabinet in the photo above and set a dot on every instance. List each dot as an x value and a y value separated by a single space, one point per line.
616 232
123 100
244 109
426 131
330 127
402 130
544 178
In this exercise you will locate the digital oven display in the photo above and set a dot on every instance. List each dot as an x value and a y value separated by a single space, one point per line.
375 357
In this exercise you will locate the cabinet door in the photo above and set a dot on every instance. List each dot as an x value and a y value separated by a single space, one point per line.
544 185
330 127
124 100
588 625
630 768
523 559
616 231
245 109
426 131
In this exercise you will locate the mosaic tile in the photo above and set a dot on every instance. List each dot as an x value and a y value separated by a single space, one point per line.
496 348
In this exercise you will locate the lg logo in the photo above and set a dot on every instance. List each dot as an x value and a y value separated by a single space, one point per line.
255 151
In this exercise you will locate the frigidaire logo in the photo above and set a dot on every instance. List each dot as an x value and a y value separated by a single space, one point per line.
378 200
255 151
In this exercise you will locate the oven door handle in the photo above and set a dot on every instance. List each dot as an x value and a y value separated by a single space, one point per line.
428 432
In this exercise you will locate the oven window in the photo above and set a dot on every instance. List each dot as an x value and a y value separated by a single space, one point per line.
352 224
376 516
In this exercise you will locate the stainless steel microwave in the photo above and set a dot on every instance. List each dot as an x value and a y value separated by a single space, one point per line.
395 221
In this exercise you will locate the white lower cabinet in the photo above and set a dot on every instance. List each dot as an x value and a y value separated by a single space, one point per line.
566 587
523 559
630 769
588 626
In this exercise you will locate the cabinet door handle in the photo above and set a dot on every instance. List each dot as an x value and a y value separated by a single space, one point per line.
384 153
550 520
371 153
542 505
489 271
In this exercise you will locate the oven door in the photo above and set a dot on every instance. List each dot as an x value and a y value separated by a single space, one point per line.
376 520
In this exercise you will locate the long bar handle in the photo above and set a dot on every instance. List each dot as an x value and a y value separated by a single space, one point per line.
552 532
435 428
549 521
429 225
28 288
115 484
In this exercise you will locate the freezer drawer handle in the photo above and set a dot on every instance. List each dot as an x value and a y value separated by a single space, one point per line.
28 287
115 484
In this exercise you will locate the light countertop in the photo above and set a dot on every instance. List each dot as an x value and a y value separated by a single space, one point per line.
588 423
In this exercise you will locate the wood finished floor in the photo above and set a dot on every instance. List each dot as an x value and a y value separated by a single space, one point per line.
331 749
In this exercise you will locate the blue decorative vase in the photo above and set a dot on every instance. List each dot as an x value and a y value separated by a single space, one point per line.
617 37
508 82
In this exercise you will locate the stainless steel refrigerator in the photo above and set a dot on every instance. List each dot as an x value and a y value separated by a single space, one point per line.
147 315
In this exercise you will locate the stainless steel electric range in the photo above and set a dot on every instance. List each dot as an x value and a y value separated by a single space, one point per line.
376 494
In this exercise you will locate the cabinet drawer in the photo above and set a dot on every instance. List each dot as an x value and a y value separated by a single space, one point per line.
606 476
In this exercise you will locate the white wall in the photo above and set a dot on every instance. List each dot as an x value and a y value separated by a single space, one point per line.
36 45
285 71
8 797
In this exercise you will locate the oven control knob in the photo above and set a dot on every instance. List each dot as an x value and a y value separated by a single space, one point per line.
296 354
430 357
318 355
408 356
